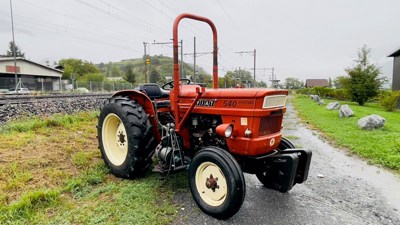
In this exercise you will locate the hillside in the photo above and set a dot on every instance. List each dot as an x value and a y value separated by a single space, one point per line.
161 69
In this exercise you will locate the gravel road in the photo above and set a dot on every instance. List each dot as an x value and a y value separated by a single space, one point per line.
350 191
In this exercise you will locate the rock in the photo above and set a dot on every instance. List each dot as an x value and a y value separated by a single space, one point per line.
315 98
333 106
371 122
320 175
321 102
49 106
345 111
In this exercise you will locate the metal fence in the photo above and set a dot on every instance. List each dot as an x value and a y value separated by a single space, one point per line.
45 85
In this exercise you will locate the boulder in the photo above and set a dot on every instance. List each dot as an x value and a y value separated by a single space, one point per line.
321 102
315 98
371 122
345 111
333 106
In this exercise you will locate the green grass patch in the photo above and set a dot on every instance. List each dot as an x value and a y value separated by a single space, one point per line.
51 172
57 120
27 208
380 146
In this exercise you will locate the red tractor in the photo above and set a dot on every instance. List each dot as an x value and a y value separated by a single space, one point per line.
217 134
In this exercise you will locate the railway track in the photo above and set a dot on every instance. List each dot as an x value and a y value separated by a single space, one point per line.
25 99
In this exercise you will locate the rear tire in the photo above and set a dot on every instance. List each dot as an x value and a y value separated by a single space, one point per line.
216 182
264 176
125 136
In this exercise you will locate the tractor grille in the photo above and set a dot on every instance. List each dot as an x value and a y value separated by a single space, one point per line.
270 125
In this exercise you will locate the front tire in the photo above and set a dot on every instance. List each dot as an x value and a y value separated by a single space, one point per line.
216 182
125 137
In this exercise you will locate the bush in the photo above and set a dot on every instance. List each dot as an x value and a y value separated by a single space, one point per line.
389 99
303 91
341 95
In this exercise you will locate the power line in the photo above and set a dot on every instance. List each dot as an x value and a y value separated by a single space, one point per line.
54 26
75 36
125 20
253 53
80 20
129 14
230 19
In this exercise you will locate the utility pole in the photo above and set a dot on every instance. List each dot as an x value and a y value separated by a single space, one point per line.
271 78
274 81
253 53
195 55
13 49
169 43
145 62
194 59
182 59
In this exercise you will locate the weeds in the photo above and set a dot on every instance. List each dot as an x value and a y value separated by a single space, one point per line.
51 172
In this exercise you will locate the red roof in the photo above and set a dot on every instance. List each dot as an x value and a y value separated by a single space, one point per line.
317 83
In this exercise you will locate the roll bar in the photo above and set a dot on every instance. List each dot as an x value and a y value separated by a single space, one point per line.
175 48
175 92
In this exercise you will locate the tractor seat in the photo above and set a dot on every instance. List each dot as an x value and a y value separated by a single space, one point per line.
153 91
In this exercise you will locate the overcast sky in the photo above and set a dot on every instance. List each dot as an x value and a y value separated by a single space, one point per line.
299 38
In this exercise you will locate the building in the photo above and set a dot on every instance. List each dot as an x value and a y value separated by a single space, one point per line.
317 83
31 75
396 70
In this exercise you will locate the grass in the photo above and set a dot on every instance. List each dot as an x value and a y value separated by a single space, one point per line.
51 172
380 146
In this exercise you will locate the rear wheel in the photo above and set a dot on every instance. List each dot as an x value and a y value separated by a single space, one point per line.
125 137
265 175
216 182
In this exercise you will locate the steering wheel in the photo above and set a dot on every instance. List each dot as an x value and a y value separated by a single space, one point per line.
171 83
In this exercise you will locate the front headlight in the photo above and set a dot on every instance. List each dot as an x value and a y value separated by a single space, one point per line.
274 101
224 130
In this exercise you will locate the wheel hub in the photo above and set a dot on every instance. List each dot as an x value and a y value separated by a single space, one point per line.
115 139
121 136
211 183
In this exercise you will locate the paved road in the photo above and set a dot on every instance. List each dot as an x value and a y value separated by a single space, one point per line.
351 192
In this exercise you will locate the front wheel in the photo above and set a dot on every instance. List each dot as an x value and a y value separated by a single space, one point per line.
216 182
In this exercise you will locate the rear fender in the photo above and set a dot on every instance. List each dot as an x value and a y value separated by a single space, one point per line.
148 106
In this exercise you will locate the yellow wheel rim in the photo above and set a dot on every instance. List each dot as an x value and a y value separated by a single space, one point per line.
115 139
211 184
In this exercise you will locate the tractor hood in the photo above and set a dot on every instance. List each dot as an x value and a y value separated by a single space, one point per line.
188 91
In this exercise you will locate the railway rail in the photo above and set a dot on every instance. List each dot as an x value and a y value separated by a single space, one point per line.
25 99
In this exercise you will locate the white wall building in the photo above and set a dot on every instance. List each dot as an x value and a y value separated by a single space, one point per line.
32 75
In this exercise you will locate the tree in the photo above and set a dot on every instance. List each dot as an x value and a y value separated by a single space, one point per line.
130 76
330 83
154 76
363 82
340 81
18 51
96 77
78 67
261 84
293 83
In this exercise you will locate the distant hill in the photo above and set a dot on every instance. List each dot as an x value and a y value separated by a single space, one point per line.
161 64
